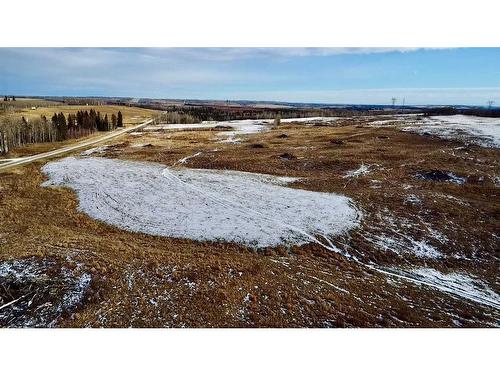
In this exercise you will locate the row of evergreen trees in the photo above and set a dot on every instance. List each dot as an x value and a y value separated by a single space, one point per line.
84 123
16 132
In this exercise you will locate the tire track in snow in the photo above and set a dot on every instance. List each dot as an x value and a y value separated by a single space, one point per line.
226 202
232 204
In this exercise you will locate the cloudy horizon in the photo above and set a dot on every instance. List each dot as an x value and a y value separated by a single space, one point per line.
419 76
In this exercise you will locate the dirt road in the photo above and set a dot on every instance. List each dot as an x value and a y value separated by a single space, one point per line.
28 159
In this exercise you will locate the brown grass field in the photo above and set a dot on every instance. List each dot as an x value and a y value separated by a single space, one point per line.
131 115
140 280
27 103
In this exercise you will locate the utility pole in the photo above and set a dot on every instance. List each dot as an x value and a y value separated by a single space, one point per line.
393 100
490 103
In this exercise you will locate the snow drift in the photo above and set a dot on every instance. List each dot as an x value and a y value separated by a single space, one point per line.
238 127
483 131
253 209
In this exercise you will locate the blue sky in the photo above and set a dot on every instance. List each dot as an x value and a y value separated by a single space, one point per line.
322 75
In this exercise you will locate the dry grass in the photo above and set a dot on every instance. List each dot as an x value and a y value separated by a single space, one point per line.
147 281
131 115
24 103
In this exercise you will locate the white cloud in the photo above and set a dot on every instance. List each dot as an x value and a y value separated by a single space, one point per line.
229 54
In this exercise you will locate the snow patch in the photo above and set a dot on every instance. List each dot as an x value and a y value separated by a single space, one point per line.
48 291
361 171
206 205
309 119
413 199
482 131
95 150
458 283
389 233
185 159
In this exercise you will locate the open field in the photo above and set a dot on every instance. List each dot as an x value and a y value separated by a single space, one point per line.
131 115
27 103
117 230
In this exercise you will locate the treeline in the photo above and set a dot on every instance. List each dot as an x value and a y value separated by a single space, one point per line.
16 132
84 101
175 118
206 113
448 111
226 113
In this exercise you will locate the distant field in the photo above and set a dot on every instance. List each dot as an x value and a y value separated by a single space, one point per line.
21 103
131 115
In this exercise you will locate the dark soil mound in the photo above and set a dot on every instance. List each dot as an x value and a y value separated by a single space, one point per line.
440 176
257 145
223 127
288 156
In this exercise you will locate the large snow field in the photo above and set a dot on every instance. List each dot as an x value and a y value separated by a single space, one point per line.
483 131
239 127
253 209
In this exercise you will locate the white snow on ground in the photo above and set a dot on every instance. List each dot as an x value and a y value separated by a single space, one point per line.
413 199
394 120
140 145
393 233
376 123
239 127
457 179
95 150
248 208
483 131
201 125
185 159
401 244
72 284
459 284
422 249
310 119
361 171
242 127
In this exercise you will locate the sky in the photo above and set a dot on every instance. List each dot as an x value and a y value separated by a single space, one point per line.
469 76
